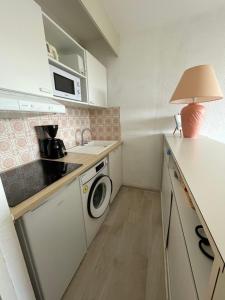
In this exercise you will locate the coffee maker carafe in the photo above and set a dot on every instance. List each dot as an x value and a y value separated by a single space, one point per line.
50 146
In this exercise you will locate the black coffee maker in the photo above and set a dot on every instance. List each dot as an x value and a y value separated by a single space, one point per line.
50 147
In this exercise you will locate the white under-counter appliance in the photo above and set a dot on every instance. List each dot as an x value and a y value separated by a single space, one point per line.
65 84
53 240
96 190
52 234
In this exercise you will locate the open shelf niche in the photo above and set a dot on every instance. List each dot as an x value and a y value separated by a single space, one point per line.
68 51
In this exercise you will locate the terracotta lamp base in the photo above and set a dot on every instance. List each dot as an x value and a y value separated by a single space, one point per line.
191 118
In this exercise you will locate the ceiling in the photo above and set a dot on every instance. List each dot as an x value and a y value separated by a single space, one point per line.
139 15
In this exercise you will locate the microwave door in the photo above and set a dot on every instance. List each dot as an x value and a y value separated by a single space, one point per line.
65 84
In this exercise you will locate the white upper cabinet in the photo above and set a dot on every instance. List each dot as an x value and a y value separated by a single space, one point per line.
23 59
97 81
95 10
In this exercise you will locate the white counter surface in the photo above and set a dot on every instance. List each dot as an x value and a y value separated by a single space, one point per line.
202 163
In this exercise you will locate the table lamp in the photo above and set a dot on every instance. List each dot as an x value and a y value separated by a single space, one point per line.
197 84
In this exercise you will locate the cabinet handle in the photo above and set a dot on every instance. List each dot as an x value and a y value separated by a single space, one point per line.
168 152
168 229
44 90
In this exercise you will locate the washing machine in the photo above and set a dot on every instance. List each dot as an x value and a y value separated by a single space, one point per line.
96 190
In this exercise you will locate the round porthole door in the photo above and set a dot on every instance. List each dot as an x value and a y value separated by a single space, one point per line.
99 196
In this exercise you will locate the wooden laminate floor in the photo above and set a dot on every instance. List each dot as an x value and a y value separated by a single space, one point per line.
125 261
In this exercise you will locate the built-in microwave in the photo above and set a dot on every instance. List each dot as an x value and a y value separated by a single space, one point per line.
65 84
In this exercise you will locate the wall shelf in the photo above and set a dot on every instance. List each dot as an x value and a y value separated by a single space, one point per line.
68 52
74 103
67 48
57 63
70 102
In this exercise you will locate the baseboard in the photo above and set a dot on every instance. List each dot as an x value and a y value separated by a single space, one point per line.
141 188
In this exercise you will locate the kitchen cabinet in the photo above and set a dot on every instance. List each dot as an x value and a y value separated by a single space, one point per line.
115 170
23 59
189 273
181 283
95 10
53 241
97 81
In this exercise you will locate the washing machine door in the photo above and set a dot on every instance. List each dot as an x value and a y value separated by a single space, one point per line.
99 196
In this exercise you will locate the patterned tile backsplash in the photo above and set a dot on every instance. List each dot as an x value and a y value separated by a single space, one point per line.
105 123
18 140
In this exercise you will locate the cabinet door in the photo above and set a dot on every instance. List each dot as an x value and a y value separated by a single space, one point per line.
115 170
97 81
23 59
181 282
167 196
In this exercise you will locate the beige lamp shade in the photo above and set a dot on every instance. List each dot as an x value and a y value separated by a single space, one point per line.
197 84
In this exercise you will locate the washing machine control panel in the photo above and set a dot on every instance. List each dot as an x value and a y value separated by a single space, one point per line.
93 171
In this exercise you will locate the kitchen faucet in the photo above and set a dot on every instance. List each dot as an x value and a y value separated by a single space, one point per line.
82 135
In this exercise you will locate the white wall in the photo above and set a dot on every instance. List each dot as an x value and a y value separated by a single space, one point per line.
142 80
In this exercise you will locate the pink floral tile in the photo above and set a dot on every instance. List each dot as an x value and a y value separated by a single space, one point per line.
6 146
78 136
108 120
100 121
4 128
71 122
26 156
7 162
93 112
82 122
32 122
77 112
63 121
21 142
17 126
108 129
77 122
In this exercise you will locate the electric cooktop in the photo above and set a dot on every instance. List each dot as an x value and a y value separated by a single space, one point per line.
27 180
